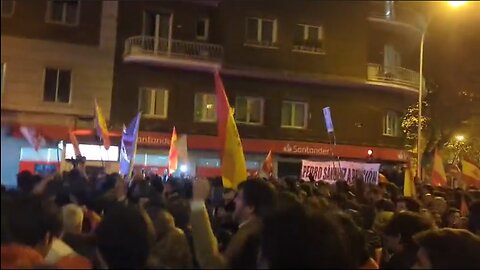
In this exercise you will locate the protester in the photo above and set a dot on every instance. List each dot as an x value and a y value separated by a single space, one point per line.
447 249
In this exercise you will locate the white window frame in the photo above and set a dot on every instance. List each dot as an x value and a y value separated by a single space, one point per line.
203 118
305 120
64 14
391 124
259 42
56 85
206 28
7 15
4 70
310 49
250 100
153 98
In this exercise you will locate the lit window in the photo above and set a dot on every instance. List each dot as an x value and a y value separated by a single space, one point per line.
205 107
153 102
8 8
201 29
309 38
249 110
57 85
261 32
63 11
391 124
294 114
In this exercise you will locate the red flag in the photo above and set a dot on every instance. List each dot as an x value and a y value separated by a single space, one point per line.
75 144
439 177
267 166
34 137
173 153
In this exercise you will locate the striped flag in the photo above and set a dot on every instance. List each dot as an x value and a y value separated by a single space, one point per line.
439 178
470 174
234 167
33 136
101 126
267 165
173 153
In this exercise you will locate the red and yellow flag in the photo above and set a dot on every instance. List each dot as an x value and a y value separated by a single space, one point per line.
267 165
439 178
234 167
173 153
470 174
101 126
75 144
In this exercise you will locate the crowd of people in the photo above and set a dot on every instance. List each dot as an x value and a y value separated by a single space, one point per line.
75 221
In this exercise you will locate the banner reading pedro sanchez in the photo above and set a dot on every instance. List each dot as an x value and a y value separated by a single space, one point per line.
349 171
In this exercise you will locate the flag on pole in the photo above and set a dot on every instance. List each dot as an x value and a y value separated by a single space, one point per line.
470 174
439 177
101 126
267 165
234 167
409 184
75 144
128 147
173 153
33 137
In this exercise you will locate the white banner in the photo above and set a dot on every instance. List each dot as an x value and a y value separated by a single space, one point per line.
346 170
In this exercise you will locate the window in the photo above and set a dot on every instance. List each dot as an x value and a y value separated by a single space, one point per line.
3 76
8 7
63 11
201 29
261 32
57 85
308 38
205 107
294 114
153 102
249 110
391 124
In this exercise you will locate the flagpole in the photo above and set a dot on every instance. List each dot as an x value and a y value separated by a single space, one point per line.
132 160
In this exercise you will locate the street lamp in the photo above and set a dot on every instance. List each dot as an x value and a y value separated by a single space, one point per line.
454 4
460 138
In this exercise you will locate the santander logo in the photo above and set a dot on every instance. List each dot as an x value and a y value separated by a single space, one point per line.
296 149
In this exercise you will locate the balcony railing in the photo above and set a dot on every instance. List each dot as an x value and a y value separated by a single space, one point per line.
151 46
394 75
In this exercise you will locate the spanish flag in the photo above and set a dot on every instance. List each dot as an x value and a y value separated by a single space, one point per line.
439 177
408 184
173 153
267 166
470 174
101 126
234 168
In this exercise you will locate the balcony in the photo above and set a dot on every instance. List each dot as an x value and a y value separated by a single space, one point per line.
394 76
175 53
401 17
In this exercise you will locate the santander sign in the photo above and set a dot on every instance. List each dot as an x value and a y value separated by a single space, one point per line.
305 150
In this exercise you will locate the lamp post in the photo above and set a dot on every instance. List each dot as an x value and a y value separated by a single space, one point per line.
453 4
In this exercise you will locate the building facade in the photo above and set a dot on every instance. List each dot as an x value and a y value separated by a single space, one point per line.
57 57
282 62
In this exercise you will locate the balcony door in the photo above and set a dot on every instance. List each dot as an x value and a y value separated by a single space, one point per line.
391 59
158 27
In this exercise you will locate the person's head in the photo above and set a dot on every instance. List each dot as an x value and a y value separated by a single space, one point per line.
374 194
452 218
254 198
384 205
407 204
355 241
447 249
33 221
439 205
401 228
123 238
172 186
72 218
474 218
25 181
180 210
228 195
293 237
